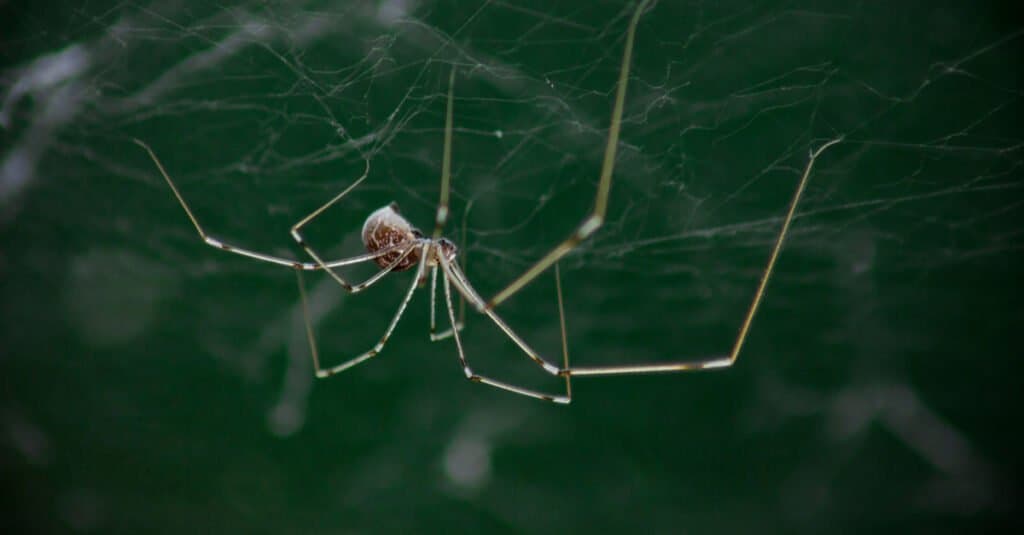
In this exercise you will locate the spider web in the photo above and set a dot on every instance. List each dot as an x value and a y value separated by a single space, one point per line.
894 283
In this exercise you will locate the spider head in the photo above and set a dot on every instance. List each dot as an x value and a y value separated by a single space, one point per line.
447 248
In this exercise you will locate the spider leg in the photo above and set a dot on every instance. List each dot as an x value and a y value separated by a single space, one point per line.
466 289
219 244
210 240
726 360
434 335
319 263
385 270
327 372
363 257
442 215
563 330
477 378
593 221
446 161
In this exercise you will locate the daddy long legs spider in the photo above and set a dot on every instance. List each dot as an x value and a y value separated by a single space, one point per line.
395 245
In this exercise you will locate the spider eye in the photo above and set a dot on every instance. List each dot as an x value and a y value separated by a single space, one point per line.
448 247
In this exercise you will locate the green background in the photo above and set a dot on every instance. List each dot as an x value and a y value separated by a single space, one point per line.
154 384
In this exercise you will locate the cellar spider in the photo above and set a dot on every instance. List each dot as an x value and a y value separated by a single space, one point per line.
395 246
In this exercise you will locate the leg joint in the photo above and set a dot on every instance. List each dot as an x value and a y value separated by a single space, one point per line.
589 226
217 243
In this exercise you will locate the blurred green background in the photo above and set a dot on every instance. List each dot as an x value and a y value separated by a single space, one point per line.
154 384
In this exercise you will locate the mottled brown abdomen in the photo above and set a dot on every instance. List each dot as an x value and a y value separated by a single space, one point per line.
387 228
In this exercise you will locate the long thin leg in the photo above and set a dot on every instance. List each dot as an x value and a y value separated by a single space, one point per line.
433 301
730 359
318 261
363 257
442 213
210 240
593 221
446 161
434 335
453 272
464 287
462 301
356 288
477 378
214 242
465 261
321 372
562 329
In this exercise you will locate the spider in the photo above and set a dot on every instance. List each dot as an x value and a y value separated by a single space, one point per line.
396 246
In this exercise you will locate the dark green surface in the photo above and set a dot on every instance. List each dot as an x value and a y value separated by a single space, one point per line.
154 384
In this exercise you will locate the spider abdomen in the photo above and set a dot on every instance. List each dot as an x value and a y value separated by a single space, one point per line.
387 228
